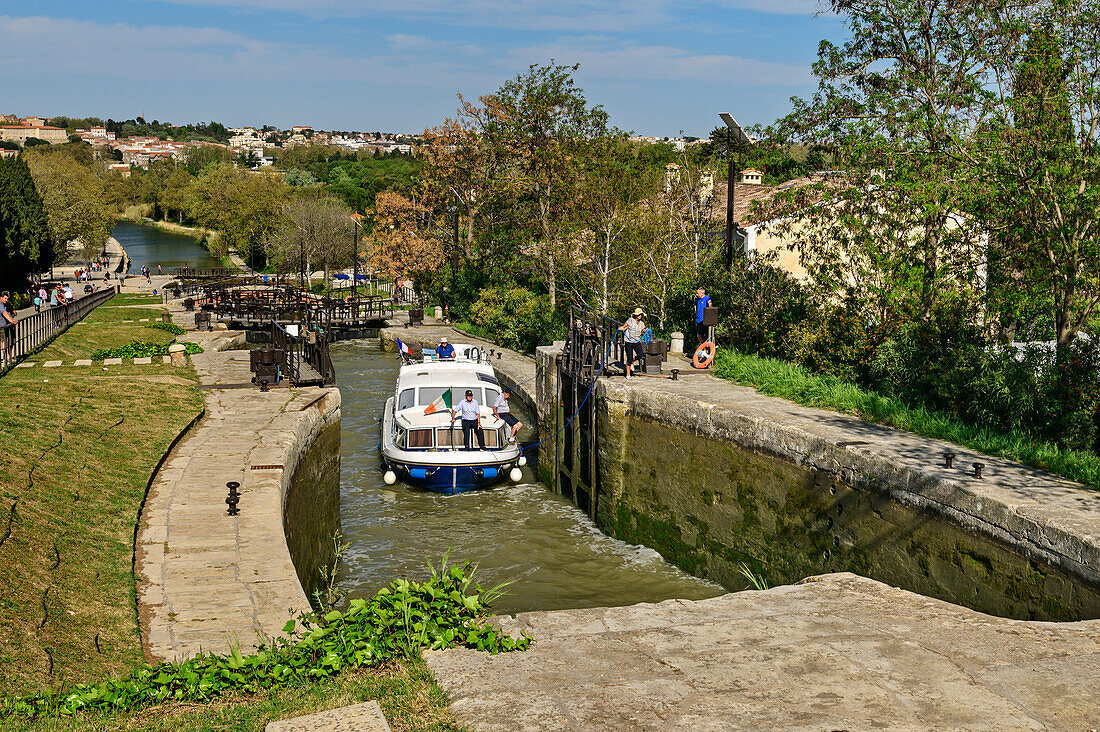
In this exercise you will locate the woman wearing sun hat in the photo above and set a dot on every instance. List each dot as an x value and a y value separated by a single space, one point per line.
632 334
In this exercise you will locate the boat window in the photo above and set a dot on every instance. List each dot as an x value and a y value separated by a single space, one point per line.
429 394
419 439
407 399
492 438
491 395
447 437
399 439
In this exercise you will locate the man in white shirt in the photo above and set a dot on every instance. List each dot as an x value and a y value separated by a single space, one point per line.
502 412
470 412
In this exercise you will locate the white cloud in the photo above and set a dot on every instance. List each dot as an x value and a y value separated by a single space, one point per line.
600 57
553 15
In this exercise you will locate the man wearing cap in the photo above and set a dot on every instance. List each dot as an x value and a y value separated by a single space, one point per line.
633 329
470 412
445 349
503 413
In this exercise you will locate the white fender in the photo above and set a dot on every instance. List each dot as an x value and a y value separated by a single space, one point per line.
390 477
515 475
522 460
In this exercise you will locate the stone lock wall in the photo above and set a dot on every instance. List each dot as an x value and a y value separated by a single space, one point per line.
710 506
311 509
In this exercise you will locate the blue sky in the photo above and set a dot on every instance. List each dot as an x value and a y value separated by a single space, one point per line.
656 66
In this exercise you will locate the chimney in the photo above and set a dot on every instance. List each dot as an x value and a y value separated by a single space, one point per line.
751 176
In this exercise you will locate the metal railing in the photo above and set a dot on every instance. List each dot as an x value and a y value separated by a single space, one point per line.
204 273
592 339
255 303
34 331
307 355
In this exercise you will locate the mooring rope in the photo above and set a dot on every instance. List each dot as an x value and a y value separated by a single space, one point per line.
579 406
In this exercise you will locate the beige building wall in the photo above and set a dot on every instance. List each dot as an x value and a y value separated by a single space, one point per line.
19 134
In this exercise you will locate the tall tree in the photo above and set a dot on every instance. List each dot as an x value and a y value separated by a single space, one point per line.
75 202
613 186
317 227
25 246
897 103
541 117
1042 151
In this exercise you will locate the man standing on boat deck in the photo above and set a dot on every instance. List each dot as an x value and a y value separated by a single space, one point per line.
503 413
445 349
470 411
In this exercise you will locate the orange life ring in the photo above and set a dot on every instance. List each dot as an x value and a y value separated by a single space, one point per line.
704 355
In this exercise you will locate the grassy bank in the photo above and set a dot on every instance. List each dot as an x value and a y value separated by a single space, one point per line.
798 384
77 446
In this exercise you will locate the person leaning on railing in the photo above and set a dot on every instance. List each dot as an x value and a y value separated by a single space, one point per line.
7 321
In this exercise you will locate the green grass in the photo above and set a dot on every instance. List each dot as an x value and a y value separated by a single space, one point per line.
408 695
77 447
800 385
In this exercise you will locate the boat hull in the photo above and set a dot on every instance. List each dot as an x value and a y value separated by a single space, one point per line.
450 480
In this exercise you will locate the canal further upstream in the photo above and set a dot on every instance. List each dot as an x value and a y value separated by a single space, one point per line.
151 246
552 553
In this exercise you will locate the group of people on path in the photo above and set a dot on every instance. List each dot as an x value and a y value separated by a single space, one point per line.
59 294
634 329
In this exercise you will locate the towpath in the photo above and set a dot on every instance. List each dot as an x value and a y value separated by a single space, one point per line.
208 581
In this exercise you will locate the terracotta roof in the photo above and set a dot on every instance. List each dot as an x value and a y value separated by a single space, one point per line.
745 195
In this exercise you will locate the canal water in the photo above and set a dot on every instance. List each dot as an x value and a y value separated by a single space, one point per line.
150 246
522 533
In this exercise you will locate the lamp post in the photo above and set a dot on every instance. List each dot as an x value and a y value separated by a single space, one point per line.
738 141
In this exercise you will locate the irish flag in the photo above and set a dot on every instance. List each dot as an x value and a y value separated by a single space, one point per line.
443 402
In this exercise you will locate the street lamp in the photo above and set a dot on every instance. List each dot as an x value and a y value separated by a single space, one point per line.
738 141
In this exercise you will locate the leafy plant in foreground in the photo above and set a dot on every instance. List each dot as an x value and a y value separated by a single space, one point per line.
398 622
169 327
141 349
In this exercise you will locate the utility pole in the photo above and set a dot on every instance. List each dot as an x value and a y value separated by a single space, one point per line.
738 141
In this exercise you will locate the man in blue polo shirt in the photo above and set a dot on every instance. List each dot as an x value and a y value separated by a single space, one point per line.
702 300
445 349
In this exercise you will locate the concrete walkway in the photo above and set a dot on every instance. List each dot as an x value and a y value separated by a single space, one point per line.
208 581
837 652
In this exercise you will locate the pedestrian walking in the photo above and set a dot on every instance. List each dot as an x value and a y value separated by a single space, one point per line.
470 412
159 270
633 329
7 325
702 302
503 413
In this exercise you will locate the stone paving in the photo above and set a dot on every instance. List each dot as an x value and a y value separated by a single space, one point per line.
209 581
365 717
836 652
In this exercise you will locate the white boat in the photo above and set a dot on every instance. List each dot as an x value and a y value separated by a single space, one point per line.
426 447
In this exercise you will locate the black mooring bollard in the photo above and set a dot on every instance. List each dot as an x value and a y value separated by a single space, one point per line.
949 458
978 470
675 374
233 498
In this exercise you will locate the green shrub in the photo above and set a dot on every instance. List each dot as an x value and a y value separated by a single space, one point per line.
169 327
515 318
142 349
398 622
758 305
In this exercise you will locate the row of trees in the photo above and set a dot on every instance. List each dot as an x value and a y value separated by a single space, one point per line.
531 185
48 198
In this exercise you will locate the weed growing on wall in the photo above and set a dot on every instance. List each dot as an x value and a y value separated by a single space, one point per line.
141 349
